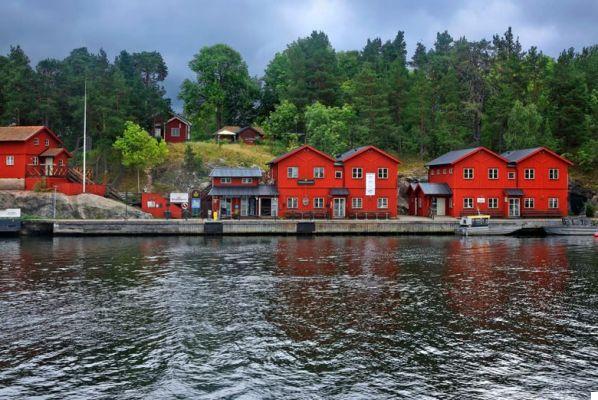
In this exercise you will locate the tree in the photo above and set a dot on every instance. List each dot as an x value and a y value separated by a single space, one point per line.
281 124
19 87
328 128
141 151
223 83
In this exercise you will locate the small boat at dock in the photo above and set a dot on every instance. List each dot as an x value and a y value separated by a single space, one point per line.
10 221
474 225
574 226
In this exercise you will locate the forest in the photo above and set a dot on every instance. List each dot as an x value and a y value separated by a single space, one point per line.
457 93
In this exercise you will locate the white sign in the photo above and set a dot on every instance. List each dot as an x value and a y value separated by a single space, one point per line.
10 213
481 200
370 184
179 197
184 206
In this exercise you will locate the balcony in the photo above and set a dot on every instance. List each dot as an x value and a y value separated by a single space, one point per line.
53 171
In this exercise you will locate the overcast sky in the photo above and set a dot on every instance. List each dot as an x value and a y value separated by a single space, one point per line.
258 29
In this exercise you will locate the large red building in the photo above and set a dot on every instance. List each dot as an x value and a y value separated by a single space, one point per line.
360 183
34 157
520 183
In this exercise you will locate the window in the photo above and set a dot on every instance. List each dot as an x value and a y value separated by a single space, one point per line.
467 173
492 173
36 141
175 132
47 142
432 172
553 174
553 202
246 180
356 202
511 175
10 160
450 171
382 202
338 174
293 172
225 180
528 203
493 202
292 202
318 202
444 171
468 202
35 161
61 163
529 173
357 173
382 173
318 172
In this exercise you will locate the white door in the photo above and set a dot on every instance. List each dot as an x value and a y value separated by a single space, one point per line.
440 206
338 210
49 166
514 206
274 207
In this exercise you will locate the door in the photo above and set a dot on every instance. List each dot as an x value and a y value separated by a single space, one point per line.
514 207
440 206
225 207
338 210
49 166
265 207
274 207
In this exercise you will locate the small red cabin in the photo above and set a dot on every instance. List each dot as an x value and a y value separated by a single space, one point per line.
247 134
177 129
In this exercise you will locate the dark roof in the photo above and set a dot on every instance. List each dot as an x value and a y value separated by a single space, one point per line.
435 189
451 157
54 151
260 190
179 117
297 150
514 192
516 155
349 153
353 152
339 192
226 172
253 128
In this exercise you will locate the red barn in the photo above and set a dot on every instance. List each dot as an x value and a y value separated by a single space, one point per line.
32 156
541 178
477 180
361 183
238 192
177 129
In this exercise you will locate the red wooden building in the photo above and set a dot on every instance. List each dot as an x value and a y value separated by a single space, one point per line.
246 134
240 192
477 180
33 157
361 183
177 129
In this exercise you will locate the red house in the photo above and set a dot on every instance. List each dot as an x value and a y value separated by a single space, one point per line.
239 192
361 183
177 129
33 156
247 134
477 180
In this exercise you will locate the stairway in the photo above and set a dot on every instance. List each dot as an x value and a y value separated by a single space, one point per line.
74 175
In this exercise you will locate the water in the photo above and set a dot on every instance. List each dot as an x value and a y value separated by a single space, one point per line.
287 317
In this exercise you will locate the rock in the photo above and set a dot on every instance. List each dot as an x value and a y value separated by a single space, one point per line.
84 206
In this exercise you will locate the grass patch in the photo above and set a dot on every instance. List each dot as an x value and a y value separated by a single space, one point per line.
224 154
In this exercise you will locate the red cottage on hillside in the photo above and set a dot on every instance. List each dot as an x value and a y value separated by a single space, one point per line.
361 183
33 155
541 181
238 192
177 129
247 134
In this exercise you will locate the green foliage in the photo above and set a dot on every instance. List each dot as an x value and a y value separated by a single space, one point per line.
590 209
139 149
328 128
281 125
192 162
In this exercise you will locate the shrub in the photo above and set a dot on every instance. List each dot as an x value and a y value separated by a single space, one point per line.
590 209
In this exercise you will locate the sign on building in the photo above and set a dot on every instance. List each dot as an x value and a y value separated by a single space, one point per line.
179 197
370 184
481 200
10 213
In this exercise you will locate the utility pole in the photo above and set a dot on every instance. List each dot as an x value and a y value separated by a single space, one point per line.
54 204
84 135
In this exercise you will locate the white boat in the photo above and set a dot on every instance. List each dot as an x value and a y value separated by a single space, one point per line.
474 225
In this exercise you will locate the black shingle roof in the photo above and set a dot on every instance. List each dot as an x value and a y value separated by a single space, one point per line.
451 157
516 155
435 189
349 153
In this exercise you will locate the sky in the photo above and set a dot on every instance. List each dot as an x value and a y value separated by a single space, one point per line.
260 28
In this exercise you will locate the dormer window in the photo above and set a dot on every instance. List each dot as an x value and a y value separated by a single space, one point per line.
36 141
47 142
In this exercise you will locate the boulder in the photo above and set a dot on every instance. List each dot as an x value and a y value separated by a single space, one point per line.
82 206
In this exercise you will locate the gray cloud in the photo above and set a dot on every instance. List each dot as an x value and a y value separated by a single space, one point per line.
258 29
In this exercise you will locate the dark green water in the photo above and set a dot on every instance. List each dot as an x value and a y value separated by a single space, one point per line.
287 317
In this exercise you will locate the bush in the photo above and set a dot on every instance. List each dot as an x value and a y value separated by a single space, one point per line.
590 209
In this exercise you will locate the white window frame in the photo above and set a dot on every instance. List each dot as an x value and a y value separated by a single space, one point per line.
529 174
47 142
493 202
225 180
318 172
492 173
175 132
553 174
512 175
382 173
35 160
450 171
432 171
468 202
318 202
443 171
292 202
246 180
36 141
553 202
467 175
382 202
357 173
292 172
61 163
338 174
356 203
10 160
529 202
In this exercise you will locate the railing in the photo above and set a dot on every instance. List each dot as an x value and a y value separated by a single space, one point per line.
540 213
55 171
306 215
492 213
369 215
